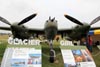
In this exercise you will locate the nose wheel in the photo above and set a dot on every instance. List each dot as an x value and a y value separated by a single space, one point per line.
52 56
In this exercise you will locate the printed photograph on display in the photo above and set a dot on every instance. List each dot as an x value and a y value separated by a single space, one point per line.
31 57
81 56
18 63
34 59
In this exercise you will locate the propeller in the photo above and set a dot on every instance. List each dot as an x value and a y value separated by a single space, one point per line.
27 19
78 22
73 19
4 20
22 22
95 20
53 19
49 17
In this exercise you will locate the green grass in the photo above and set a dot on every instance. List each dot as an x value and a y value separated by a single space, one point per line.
96 56
45 57
3 45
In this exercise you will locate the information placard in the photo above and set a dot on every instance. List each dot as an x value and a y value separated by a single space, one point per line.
77 56
22 57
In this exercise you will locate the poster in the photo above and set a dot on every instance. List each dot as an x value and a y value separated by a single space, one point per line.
26 57
77 58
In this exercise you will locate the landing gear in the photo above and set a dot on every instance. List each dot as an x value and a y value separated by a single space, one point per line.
52 56
52 53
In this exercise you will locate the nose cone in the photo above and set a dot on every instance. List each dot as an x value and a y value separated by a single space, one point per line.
14 26
88 27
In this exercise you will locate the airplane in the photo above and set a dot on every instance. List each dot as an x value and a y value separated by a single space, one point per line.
82 29
50 30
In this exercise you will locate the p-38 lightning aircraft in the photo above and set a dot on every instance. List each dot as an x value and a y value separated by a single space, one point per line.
21 32
50 30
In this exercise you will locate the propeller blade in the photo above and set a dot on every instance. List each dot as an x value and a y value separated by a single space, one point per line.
4 20
27 19
5 28
95 20
49 17
53 19
73 19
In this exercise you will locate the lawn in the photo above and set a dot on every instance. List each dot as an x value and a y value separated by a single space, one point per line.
3 45
96 56
45 57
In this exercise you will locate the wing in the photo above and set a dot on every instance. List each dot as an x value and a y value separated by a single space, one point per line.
36 31
64 32
5 28
68 31
94 28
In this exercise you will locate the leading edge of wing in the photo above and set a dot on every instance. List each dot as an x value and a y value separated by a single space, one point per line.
5 28
37 31
94 28
42 31
60 31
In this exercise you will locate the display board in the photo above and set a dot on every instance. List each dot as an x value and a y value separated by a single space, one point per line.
77 56
22 57
31 56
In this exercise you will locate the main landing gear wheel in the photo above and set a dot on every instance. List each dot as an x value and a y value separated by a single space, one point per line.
52 56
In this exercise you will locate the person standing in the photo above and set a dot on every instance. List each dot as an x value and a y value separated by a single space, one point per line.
90 43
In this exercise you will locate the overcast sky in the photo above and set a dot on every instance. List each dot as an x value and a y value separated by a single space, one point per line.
16 10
